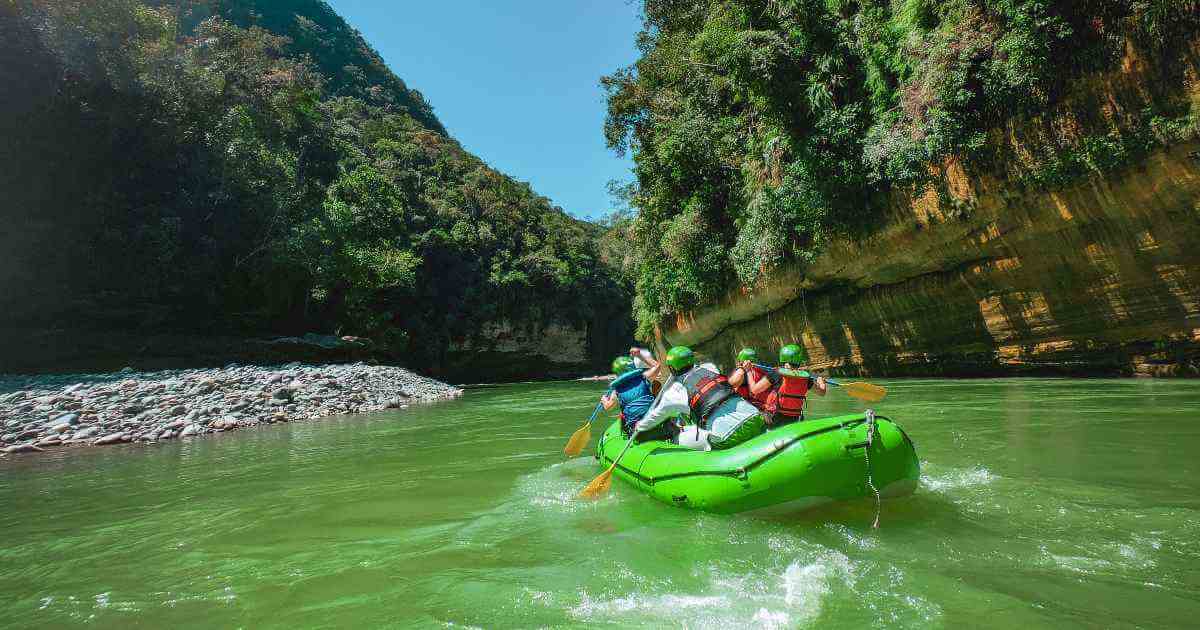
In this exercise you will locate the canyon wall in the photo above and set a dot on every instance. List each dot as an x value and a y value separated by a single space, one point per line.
1076 250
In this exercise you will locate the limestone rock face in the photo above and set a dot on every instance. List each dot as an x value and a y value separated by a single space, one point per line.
982 272
508 350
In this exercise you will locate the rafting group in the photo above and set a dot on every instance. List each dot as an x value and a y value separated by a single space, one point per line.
703 409
735 442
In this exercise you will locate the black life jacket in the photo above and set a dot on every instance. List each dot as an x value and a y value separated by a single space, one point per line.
706 390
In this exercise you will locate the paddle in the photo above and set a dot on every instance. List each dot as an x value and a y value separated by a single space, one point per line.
600 485
865 392
857 389
582 435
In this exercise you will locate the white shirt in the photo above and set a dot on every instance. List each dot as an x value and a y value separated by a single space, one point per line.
674 401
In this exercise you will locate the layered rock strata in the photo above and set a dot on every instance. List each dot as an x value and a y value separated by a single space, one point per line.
1016 266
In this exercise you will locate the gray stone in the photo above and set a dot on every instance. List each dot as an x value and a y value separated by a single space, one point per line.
85 433
23 448
62 427
68 418
190 430
50 441
111 438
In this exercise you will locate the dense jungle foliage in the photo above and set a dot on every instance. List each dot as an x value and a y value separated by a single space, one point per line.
762 128
252 165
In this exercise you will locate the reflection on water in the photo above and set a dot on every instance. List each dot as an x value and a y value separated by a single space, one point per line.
1048 503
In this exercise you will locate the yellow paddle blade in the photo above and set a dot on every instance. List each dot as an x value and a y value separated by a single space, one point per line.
599 486
865 391
578 440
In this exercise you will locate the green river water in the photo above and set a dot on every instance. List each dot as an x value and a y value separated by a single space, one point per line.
1043 503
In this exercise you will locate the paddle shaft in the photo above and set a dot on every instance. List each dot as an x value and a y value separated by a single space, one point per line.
767 368
595 411
622 453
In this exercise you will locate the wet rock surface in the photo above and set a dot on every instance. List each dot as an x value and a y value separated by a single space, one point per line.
40 412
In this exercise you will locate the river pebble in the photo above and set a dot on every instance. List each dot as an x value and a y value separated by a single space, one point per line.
127 406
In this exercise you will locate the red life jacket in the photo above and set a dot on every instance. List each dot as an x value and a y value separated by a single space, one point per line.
761 401
789 399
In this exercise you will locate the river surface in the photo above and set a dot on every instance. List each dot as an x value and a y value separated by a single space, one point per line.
1043 503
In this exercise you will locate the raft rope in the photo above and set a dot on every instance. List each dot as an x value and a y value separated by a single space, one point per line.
870 414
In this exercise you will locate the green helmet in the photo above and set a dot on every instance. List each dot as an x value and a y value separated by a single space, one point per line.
793 354
621 365
747 354
680 358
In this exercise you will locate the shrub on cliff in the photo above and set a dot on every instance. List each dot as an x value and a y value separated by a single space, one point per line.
760 128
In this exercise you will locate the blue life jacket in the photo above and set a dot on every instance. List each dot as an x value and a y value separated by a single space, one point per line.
634 394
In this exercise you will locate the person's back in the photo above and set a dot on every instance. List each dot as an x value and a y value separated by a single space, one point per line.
634 396
788 401
632 391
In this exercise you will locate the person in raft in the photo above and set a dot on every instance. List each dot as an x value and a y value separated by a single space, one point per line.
751 381
786 402
633 392
723 419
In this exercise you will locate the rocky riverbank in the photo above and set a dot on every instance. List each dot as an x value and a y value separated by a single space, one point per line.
52 411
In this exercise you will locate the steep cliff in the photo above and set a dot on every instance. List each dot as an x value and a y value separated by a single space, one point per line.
1073 251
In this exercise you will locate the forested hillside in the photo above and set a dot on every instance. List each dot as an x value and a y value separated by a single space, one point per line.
250 167
764 129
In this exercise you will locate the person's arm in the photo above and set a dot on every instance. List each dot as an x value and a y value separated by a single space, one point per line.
609 400
655 367
761 385
737 377
820 385
672 400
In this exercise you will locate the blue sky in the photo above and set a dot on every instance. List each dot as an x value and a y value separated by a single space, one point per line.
517 82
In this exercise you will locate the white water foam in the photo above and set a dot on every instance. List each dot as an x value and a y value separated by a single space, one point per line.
558 486
762 599
956 479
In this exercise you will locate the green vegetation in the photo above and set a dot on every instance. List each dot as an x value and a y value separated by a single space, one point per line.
762 128
1120 148
252 166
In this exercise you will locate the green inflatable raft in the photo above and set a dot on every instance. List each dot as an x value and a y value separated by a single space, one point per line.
793 467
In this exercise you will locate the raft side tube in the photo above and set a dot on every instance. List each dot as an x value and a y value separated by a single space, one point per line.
801 464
